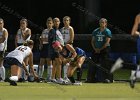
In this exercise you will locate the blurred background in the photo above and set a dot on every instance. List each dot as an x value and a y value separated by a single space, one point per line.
84 14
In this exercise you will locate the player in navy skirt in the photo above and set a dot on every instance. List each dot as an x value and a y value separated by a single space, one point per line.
44 46
74 56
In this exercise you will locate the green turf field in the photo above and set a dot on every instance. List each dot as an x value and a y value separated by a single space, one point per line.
88 91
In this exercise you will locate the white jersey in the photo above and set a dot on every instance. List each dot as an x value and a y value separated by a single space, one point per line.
59 37
66 33
19 36
3 46
20 53
45 35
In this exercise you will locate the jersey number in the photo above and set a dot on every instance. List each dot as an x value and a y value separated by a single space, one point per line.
100 38
22 48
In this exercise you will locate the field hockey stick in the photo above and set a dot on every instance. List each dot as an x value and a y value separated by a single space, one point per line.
89 59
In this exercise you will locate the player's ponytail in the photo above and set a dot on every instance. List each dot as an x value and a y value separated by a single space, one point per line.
25 44
28 43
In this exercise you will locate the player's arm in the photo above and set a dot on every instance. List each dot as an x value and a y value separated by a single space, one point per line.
135 26
40 42
106 43
16 39
27 34
4 36
72 50
64 60
71 36
31 65
25 68
93 42
42 38
93 45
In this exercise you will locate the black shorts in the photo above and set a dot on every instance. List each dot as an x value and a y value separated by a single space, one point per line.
52 54
9 61
44 51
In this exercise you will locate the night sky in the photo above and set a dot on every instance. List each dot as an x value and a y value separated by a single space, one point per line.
120 14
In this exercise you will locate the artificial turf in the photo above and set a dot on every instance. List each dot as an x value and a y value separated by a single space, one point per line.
88 91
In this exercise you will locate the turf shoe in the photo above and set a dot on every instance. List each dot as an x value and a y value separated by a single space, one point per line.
133 80
117 65
132 83
60 81
66 80
1 80
77 83
54 80
13 83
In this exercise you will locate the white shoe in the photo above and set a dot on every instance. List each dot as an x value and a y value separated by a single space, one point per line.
132 80
117 65
60 81
66 80
54 80
1 80
77 83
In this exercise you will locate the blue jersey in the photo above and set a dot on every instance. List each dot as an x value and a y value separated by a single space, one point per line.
80 52
100 37
68 54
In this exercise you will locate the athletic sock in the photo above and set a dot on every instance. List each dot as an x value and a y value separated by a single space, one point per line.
71 79
49 72
65 68
79 74
2 73
133 75
41 71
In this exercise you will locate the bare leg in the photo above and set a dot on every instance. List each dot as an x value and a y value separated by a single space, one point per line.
14 73
14 70
54 69
71 70
2 69
23 73
58 64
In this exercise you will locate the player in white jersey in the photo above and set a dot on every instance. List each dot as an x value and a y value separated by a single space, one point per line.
3 47
68 36
67 31
23 34
44 51
15 60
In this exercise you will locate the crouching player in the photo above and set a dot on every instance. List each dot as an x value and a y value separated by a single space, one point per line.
15 58
74 56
